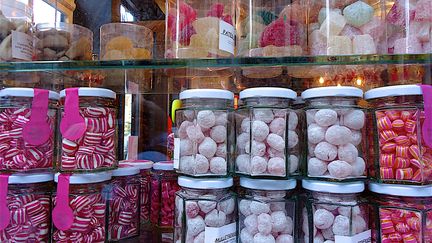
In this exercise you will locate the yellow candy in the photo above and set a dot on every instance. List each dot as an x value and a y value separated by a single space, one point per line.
119 43
204 25
140 53
116 55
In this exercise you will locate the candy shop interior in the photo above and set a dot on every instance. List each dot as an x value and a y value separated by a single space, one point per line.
216 121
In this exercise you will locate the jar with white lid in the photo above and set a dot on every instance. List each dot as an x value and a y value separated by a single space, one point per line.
205 210
400 152
204 129
402 213
16 35
28 202
28 122
336 126
267 141
87 198
334 211
124 203
88 130
267 211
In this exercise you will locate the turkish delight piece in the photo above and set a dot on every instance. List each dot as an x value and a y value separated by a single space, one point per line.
421 30
363 44
317 43
323 13
423 10
358 13
333 24
396 15
374 28
408 46
339 45
350 31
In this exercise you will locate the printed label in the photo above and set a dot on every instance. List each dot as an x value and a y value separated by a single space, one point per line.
224 234
176 153
364 237
22 46
226 37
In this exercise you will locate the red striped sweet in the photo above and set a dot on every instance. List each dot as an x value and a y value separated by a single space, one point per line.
33 208
402 140
409 238
388 135
410 126
414 151
384 123
414 223
34 154
404 174
405 115
95 111
402 227
418 176
402 151
393 114
398 124
386 173
401 163
69 147
387 160
92 138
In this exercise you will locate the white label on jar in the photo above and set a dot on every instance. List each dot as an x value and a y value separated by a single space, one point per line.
364 237
22 46
176 153
226 37
224 234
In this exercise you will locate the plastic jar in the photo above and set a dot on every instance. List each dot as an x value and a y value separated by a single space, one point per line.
200 29
267 141
89 130
402 213
401 154
335 132
88 201
125 41
204 133
16 35
28 127
267 210
334 211
27 198
205 210
162 195
124 217
63 42
346 28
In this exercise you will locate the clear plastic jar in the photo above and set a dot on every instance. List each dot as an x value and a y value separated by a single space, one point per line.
267 141
267 210
63 42
346 27
205 210
28 200
335 132
402 213
399 152
27 129
89 130
409 26
124 201
125 41
200 29
16 35
334 211
162 194
204 133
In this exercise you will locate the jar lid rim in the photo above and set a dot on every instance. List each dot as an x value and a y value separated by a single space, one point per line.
205 183
332 91
165 165
87 178
92 92
401 190
334 187
266 184
396 90
23 178
126 170
270 92
140 164
25 92
206 93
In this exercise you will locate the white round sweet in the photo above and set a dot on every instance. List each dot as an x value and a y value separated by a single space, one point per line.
195 134
244 207
355 119
310 116
356 137
275 141
341 225
338 135
325 151
242 139
293 139
278 126
221 150
182 129
215 218
245 125
189 114
218 133
243 163
245 236
339 169
359 224
218 166
323 219
261 238
221 118
258 165
260 131
199 238
206 119
187 164
276 166
348 153
292 120
207 147
326 117
195 226
186 147
259 207
279 221
328 234
358 167
201 164
316 167
315 133
264 223
227 206
251 223
257 149
272 153
265 115
293 163
284 238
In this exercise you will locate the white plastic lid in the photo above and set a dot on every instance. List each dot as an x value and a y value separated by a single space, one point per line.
140 164
263 184
397 90
125 170
206 93
332 91
333 187
205 183
19 178
87 178
401 190
92 92
25 92
167 165
268 92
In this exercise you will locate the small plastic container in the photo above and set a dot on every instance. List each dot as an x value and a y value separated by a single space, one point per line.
125 41
63 42
399 152
28 203
89 133
16 37
88 200
346 28
267 141
28 129
124 201
200 29
334 211
204 131
162 195
205 210
267 210
335 133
